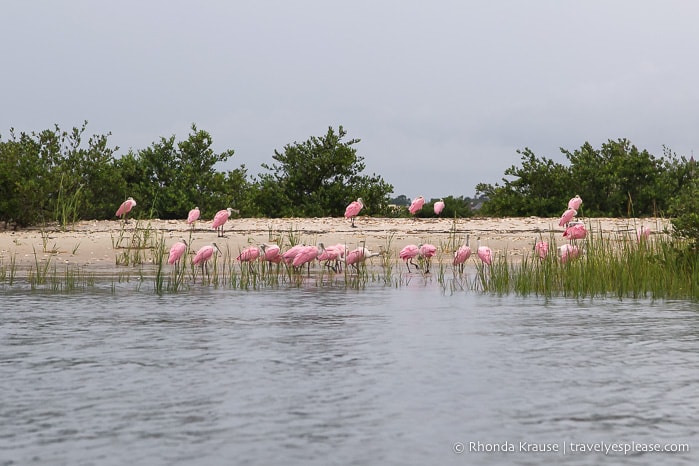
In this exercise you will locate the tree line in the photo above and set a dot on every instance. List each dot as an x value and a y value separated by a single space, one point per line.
55 175
62 176
616 180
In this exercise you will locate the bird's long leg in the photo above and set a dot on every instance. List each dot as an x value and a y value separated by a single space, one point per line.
353 225
414 264
407 265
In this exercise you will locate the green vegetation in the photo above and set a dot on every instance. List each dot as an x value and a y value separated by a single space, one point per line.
62 177
659 267
51 176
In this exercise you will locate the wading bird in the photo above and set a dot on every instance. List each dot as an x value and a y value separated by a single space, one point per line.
485 254
568 252
249 255
408 253
220 220
289 255
575 203
575 231
567 216
332 254
427 252
438 207
306 255
353 209
125 208
416 205
271 253
177 250
204 254
461 255
358 256
542 249
193 216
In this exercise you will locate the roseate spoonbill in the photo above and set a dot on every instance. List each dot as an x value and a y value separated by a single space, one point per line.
358 256
249 255
332 254
567 216
408 253
461 255
575 231
177 250
204 254
642 234
125 208
271 253
289 254
575 203
220 220
353 209
542 249
306 255
193 216
427 252
438 207
485 254
568 251
416 205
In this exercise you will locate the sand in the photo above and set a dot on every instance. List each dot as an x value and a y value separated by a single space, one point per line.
96 245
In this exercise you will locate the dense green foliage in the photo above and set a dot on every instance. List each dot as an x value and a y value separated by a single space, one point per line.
617 180
51 176
318 178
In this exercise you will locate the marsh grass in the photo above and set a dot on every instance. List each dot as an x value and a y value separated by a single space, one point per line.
67 205
661 267
135 244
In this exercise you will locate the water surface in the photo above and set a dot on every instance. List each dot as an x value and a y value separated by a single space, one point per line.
332 376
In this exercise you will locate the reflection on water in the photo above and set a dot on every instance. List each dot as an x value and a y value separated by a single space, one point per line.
326 376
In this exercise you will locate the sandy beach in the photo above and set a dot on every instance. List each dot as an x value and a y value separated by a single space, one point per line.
95 245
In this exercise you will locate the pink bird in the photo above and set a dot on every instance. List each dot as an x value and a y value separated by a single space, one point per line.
353 209
289 254
249 254
271 253
306 255
332 254
177 250
575 231
125 208
193 216
416 205
204 254
542 249
575 203
408 253
427 252
438 207
568 252
220 220
567 216
485 254
461 255
643 234
358 256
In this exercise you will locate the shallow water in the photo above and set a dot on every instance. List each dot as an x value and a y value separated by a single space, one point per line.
334 376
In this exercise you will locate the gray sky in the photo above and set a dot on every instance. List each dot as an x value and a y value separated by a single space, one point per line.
441 93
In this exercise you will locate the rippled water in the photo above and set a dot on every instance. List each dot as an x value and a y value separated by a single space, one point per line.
324 376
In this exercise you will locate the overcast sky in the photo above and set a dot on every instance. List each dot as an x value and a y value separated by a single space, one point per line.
441 93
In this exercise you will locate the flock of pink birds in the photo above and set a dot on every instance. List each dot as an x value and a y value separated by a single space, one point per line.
575 230
334 255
